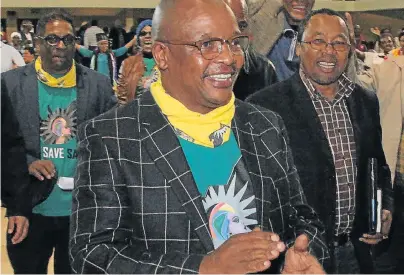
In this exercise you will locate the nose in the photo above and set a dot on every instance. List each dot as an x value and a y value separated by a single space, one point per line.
329 48
61 44
226 56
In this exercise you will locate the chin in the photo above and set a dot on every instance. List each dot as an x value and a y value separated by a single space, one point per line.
219 97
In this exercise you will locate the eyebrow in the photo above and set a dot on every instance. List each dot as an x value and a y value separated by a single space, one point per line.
208 36
341 35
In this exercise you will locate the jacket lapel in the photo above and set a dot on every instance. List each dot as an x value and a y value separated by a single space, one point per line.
248 144
82 85
29 88
164 148
309 120
355 117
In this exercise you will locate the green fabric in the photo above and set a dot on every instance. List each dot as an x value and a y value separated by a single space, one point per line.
102 61
211 166
149 65
57 109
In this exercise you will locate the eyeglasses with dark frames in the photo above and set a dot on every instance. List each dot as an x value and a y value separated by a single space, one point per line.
144 33
321 45
54 39
213 47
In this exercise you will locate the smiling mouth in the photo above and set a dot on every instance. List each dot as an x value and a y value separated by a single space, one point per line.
220 77
300 8
327 65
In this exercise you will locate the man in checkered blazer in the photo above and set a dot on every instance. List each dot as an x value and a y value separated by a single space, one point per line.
185 179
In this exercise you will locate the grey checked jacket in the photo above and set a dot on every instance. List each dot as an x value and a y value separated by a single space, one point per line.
137 209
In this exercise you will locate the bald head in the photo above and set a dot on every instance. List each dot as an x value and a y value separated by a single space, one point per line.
171 17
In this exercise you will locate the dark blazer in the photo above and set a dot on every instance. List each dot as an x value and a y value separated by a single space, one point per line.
312 154
94 97
15 180
258 72
136 206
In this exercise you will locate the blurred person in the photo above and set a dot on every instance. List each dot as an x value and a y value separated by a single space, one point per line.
81 31
80 40
27 33
386 43
388 81
359 39
103 60
28 55
15 181
10 58
137 71
334 129
90 39
106 30
400 49
258 72
118 38
274 25
16 41
118 35
51 98
192 152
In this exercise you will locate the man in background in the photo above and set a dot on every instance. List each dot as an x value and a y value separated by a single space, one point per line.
335 133
10 58
51 97
90 39
274 26
27 33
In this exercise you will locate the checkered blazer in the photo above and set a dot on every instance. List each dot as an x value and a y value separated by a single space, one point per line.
137 209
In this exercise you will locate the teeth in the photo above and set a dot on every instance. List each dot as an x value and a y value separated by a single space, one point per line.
327 65
221 76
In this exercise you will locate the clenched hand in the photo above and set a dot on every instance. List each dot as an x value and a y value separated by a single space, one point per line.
298 260
243 253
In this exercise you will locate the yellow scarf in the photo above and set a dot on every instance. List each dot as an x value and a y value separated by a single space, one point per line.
66 81
209 130
397 52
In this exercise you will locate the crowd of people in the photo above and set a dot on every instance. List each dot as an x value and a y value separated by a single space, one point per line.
222 136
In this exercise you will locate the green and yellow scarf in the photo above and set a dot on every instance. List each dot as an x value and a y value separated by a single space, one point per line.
66 81
209 130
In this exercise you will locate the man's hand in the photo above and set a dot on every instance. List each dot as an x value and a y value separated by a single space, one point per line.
19 225
41 169
387 218
243 253
298 260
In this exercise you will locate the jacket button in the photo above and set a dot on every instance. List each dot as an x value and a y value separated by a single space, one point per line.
146 256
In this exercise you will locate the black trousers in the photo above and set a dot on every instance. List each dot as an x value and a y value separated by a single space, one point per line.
33 253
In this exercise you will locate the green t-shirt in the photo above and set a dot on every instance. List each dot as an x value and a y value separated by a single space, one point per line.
225 187
57 110
144 82
211 166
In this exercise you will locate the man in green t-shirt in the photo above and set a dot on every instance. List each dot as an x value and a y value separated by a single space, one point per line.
51 97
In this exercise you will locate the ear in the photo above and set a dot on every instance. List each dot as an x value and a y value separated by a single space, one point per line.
298 49
160 51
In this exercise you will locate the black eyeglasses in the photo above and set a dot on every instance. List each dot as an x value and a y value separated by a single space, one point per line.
212 47
54 40
321 45
143 33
